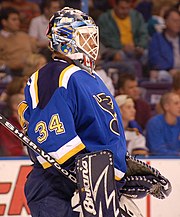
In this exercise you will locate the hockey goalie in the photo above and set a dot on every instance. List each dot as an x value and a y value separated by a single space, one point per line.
97 194
73 125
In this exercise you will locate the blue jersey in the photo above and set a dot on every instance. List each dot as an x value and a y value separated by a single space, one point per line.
68 110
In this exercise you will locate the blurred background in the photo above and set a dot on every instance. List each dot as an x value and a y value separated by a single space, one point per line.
139 59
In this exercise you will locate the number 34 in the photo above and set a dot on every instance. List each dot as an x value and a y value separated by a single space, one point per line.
54 125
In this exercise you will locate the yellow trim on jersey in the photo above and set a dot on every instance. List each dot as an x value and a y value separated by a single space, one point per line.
46 165
117 178
118 174
67 156
71 153
63 73
21 109
36 86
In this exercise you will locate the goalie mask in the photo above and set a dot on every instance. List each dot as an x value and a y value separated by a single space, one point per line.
75 35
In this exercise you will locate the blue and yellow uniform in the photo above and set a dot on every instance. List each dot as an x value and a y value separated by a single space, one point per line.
68 110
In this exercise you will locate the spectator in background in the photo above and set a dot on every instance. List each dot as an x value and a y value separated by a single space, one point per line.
5 74
175 89
136 143
96 8
164 48
36 1
163 130
177 5
39 24
73 4
123 32
156 23
104 76
102 5
33 63
176 83
10 144
145 8
27 11
15 46
112 3
16 86
106 79
128 84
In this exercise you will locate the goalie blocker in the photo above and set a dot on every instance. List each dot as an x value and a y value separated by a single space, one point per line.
97 191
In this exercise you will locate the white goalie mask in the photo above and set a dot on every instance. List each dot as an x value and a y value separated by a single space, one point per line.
75 35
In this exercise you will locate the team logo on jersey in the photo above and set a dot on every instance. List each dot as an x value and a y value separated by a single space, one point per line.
106 103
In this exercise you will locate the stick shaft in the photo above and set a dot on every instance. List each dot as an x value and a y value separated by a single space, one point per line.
29 143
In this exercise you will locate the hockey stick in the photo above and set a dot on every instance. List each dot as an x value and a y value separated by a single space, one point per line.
29 143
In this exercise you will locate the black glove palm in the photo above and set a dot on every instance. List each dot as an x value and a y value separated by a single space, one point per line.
138 186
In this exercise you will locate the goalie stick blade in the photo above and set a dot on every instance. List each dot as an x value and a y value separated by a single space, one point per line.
96 185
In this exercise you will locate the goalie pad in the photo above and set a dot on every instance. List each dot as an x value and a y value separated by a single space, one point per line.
96 185
142 179
127 206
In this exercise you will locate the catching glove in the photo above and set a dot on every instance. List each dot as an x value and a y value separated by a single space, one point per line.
142 179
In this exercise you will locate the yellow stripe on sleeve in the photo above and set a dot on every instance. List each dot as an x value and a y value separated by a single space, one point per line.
71 153
117 178
118 174
67 156
46 165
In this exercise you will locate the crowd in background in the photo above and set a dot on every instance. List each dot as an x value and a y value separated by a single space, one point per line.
139 61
